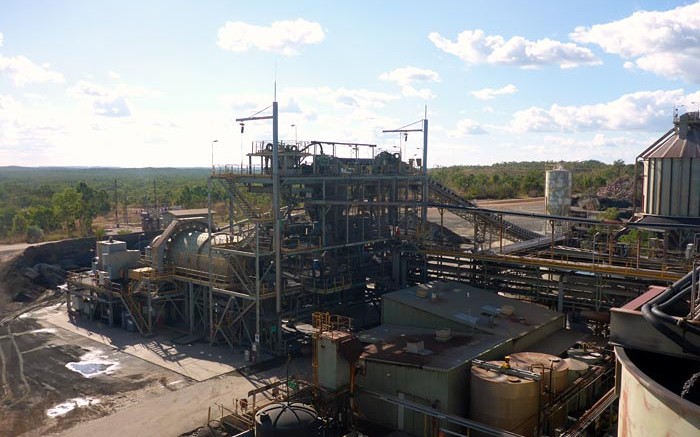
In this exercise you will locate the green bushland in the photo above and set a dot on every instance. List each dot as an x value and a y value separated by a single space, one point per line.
46 203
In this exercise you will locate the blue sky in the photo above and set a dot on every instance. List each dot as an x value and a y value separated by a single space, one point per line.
136 84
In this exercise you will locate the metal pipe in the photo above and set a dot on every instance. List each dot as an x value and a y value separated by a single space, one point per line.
693 284
276 209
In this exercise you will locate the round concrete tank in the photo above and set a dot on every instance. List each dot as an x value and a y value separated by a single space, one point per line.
504 401
647 407
557 191
287 419
671 184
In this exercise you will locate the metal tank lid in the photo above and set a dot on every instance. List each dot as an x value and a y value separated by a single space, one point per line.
683 143
287 415
525 360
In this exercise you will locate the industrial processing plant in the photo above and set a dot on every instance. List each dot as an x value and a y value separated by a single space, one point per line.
571 325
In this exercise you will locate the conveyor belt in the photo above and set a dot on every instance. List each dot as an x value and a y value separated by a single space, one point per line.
441 193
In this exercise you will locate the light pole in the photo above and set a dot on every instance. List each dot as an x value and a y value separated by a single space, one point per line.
212 154
295 133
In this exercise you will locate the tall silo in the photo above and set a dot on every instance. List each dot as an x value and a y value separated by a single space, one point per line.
557 197
557 191
671 186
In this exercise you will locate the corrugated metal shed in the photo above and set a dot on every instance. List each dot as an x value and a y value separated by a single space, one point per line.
483 325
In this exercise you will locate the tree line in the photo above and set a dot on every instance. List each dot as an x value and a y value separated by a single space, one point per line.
49 203
57 202
526 179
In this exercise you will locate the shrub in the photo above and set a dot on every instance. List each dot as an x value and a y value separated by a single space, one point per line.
35 234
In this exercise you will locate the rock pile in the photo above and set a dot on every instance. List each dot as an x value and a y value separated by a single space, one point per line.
621 188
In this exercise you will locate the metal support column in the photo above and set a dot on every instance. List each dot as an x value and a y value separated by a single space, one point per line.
276 213
424 209
210 225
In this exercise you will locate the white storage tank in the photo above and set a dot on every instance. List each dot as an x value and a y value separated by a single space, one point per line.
504 401
576 370
557 191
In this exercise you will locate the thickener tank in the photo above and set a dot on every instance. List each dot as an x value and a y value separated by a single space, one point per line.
557 191
287 419
647 408
671 186
504 401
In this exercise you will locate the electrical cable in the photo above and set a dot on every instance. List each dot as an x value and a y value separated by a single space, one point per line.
651 311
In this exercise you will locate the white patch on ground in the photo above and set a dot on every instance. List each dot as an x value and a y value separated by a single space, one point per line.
40 330
70 405
41 311
92 364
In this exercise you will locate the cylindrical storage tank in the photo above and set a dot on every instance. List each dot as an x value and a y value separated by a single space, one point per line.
555 370
576 370
557 191
672 187
287 419
672 171
504 401
555 379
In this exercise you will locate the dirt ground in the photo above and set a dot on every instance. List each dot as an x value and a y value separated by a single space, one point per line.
40 392
464 228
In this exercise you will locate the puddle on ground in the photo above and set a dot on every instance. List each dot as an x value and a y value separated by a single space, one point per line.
70 405
91 365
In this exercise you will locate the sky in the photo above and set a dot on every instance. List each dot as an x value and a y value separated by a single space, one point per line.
153 84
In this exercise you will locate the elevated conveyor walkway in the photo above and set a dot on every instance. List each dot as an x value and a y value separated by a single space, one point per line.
441 194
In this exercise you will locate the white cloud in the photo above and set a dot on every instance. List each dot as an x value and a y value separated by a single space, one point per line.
475 47
35 96
643 110
283 37
467 126
666 43
406 76
23 71
491 93
25 133
107 102
0 39
114 75
344 97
